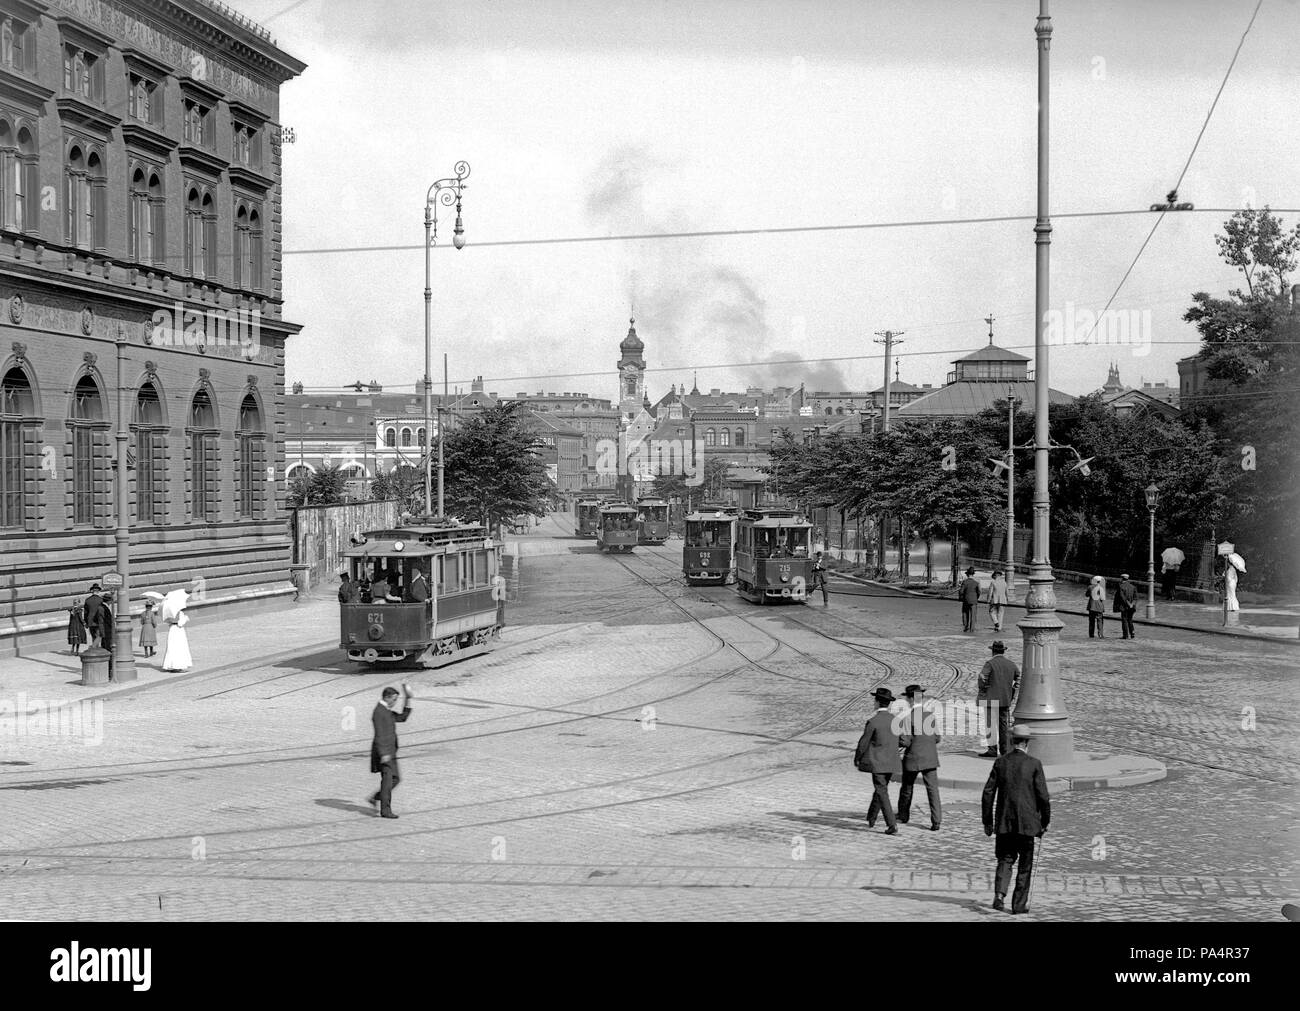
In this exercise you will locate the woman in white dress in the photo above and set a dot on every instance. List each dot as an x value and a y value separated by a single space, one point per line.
172 611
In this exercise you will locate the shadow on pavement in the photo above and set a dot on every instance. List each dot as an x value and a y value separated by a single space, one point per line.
345 805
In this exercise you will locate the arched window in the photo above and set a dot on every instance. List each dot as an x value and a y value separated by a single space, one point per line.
252 457
828 410
390 438
740 436
248 247
724 437
140 224
194 233
90 473
16 461
204 464
209 211
839 410
18 165
406 436
420 436
150 455
710 437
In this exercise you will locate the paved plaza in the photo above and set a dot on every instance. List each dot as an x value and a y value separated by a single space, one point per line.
636 749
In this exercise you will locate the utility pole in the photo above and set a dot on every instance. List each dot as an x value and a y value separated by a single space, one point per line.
1011 483
888 338
441 500
1041 704
123 649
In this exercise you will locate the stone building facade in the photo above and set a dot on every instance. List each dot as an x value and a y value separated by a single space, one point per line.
140 213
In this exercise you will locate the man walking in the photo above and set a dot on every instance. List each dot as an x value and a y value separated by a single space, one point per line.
1126 602
998 680
998 599
920 742
878 754
91 616
383 751
1017 807
819 578
970 596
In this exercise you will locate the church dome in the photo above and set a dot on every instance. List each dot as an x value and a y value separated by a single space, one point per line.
631 342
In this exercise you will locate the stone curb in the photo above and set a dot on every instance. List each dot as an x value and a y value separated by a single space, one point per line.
1291 640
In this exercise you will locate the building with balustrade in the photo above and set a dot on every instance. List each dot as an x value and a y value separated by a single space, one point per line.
140 206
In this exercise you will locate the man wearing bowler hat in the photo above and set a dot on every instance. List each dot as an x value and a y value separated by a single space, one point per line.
998 680
919 739
383 750
878 754
1017 806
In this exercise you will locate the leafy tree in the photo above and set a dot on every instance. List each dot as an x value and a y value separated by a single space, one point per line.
326 485
404 484
494 468
1251 346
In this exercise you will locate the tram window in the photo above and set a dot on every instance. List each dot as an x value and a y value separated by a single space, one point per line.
466 576
450 573
438 580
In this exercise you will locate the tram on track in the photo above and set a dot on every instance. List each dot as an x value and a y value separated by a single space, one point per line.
586 517
652 520
616 529
708 555
773 548
464 606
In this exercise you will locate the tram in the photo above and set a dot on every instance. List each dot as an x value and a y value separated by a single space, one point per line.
708 554
616 529
652 520
773 560
586 517
459 566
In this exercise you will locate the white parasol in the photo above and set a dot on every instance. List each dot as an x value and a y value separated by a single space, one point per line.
1173 556
1236 561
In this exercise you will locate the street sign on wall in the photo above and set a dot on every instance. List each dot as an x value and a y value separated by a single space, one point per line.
111 580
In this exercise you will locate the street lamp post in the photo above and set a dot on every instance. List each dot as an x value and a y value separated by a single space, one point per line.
123 649
447 192
1041 705
1153 496
1011 489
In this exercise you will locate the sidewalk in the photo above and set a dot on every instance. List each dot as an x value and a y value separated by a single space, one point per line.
1277 623
55 676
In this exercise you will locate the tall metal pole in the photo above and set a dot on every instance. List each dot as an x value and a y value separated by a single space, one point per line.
1151 566
441 500
1011 489
428 356
123 649
889 339
1041 704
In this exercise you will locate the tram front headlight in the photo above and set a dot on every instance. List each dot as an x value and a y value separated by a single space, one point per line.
375 631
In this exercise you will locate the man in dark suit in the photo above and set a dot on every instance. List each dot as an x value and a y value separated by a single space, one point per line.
1023 808
93 619
969 592
418 590
919 739
1126 602
878 754
998 680
383 751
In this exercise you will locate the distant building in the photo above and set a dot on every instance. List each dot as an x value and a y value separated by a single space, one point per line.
977 382
596 418
1154 398
561 449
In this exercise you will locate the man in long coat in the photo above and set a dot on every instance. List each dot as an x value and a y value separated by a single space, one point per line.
383 750
94 604
919 739
998 680
878 754
969 592
1017 806
1126 602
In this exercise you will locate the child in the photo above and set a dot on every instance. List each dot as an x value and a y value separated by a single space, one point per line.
148 630
76 628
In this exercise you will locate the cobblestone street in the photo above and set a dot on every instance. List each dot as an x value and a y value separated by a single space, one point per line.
638 749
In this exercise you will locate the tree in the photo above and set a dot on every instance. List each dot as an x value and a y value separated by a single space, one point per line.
710 489
494 469
327 485
1250 415
404 485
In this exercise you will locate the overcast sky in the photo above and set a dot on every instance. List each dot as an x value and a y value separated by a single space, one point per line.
601 118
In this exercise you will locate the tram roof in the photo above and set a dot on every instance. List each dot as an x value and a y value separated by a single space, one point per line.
772 518
716 517
620 508
419 539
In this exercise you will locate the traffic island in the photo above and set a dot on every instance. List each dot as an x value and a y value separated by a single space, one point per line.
1088 771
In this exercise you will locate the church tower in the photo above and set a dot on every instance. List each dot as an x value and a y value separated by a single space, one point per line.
631 375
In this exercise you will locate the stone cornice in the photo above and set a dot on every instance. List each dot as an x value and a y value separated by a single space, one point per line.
86 114
145 65
18 88
144 138
203 160
26 10
83 34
